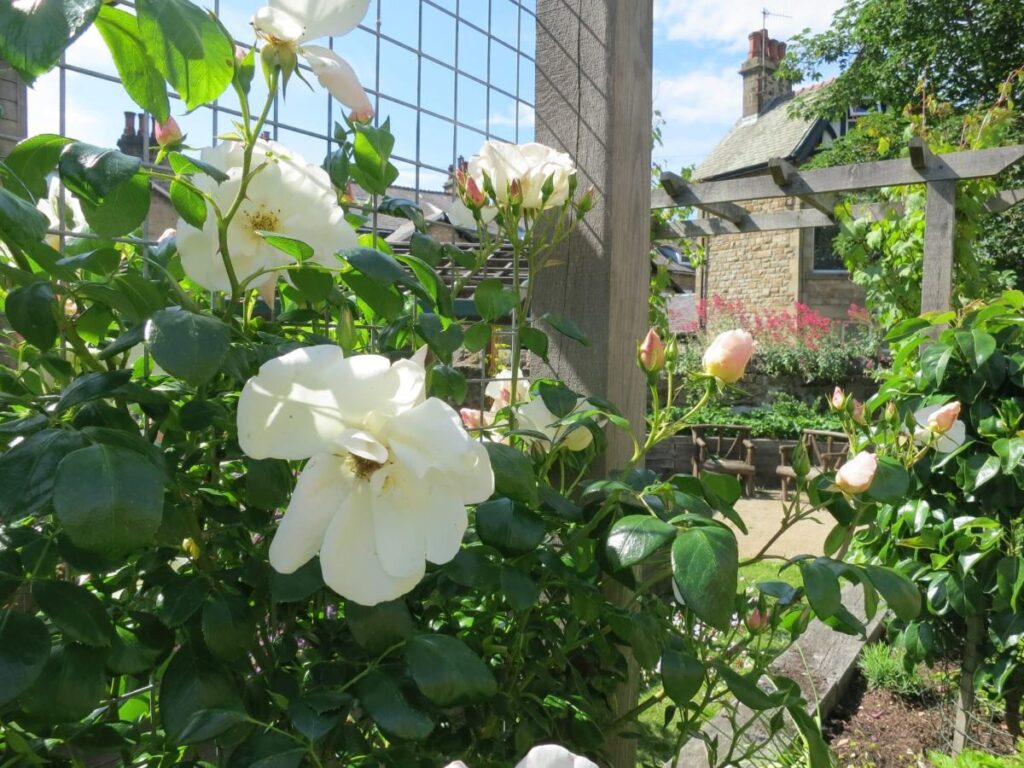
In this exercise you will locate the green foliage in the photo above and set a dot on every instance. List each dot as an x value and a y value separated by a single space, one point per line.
973 758
782 419
884 666
954 524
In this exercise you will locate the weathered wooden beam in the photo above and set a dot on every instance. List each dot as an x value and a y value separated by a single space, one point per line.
919 153
939 244
803 218
782 171
846 178
674 184
593 100
1005 200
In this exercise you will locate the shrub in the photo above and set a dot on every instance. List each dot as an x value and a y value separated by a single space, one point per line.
784 418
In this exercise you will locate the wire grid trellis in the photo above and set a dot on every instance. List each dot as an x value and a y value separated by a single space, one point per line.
474 80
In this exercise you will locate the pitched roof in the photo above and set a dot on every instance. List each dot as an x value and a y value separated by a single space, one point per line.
755 139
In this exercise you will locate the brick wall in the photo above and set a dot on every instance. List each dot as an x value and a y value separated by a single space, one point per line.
761 269
831 293
13 108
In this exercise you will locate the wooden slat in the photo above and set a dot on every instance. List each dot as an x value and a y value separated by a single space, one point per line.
939 244
846 178
1005 200
728 211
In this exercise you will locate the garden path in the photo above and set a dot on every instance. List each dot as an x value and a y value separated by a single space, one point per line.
763 515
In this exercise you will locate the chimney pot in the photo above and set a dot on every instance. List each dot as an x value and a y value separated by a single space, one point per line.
756 40
129 124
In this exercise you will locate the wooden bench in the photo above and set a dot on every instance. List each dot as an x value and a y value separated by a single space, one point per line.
724 448
827 451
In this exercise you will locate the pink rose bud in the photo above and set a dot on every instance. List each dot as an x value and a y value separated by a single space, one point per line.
757 620
890 410
472 418
944 418
361 115
167 133
652 352
838 396
240 53
475 198
857 474
515 192
858 411
727 357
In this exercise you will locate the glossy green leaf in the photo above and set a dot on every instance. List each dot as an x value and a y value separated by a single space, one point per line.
27 471
891 481
682 676
229 626
899 592
493 300
448 383
31 310
24 650
189 47
139 75
92 386
634 538
508 527
536 341
76 612
197 700
70 687
705 570
477 337
189 204
108 500
817 751
189 346
380 696
744 688
34 35
519 589
513 473
297 249
377 628
442 341
268 750
93 172
33 159
21 223
822 587
447 671
566 327
183 165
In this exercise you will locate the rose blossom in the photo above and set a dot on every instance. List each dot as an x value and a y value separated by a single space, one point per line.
390 471
857 474
727 357
545 756
521 171
939 423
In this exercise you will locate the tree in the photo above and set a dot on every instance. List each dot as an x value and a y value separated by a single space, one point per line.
959 50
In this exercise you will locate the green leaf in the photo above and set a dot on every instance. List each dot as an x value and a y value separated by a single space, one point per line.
976 345
822 587
139 75
298 586
447 383
634 538
21 223
189 346
180 599
27 471
744 688
32 160
189 47
31 311
385 704
268 483
565 326
443 342
376 628
312 282
682 675
383 300
71 686
102 261
519 589
197 700
91 386
75 611
109 500
705 570
432 283
372 147
558 398
513 473
535 340
426 248
292 246
183 165
891 481
132 652
818 754
502 524
34 35
268 750
24 650
189 204
899 592
918 639
122 210
477 337
493 301
229 626
447 671
93 172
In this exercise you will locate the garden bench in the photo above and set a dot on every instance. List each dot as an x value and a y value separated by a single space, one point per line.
827 451
725 448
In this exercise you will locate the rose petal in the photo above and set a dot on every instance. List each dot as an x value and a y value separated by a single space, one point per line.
278 24
325 18
553 756
322 489
337 76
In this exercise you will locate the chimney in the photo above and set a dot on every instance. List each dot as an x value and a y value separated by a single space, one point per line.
760 85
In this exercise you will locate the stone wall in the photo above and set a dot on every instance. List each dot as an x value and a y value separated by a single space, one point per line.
13 109
831 293
760 269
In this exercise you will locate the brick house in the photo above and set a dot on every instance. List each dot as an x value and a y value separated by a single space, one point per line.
773 270
13 108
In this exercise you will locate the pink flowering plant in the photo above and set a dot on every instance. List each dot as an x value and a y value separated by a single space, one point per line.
242 522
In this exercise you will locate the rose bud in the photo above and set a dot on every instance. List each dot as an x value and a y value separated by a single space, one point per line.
857 474
838 397
167 133
944 418
727 357
472 418
858 411
474 198
757 620
652 352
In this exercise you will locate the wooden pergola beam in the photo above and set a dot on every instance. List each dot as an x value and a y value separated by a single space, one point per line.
847 178
784 172
735 214
1005 200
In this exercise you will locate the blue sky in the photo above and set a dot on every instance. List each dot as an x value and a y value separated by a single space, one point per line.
698 47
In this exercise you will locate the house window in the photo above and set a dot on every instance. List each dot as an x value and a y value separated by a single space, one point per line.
825 257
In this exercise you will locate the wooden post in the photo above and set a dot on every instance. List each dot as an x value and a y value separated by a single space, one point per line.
594 62
939 244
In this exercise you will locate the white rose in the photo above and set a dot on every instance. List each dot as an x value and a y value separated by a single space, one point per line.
389 474
530 165
287 196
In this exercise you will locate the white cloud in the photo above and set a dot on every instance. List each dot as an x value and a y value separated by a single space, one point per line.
729 22
698 107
